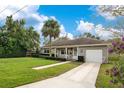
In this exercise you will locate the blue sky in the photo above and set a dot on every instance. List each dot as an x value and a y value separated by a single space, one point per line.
69 15
73 19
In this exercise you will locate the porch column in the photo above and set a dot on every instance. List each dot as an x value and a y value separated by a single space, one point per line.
50 52
55 52
77 51
73 51
66 53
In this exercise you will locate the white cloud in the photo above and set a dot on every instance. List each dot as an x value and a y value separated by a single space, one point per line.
63 33
33 18
53 17
70 36
98 30
29 13
84 26
102 32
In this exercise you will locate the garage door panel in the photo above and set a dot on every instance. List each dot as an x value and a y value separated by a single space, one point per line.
94 56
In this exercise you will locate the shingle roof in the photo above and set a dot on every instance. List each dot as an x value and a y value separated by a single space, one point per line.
79 41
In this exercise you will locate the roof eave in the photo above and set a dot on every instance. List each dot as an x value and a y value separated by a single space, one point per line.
105 44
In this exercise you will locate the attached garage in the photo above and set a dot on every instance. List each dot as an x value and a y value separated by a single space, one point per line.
94 56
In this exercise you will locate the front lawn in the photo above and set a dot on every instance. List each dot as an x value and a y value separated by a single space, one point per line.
18 71
103 80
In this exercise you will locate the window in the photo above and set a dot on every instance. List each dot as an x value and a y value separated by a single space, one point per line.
46 51
62 51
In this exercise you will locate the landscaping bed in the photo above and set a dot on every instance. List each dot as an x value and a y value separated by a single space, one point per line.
18 71
104 80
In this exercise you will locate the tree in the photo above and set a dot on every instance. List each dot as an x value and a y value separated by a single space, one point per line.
115 11
33 38
51 29
15 38
89 35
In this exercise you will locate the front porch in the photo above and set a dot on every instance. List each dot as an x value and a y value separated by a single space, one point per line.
67 53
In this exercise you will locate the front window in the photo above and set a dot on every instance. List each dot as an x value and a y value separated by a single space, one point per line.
46 51
62 51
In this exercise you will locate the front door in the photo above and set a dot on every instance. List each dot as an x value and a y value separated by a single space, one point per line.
70 53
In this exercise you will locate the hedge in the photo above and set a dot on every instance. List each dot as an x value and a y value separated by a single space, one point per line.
14 54
52 58
113 58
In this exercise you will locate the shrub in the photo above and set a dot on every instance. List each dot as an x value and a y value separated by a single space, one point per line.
122 73
117 72
113 58
113 72
34 55
53 58
17 53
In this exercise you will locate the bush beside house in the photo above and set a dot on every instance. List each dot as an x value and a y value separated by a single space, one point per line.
117 71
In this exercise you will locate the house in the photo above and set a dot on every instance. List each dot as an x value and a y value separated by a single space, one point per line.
85 49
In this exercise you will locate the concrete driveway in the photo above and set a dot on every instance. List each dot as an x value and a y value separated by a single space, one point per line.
83 76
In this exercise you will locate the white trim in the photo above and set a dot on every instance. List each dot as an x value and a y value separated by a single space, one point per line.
66 53
55 52
77 51
78 45
72 53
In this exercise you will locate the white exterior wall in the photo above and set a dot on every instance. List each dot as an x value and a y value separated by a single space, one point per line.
62 56
42 51
75 57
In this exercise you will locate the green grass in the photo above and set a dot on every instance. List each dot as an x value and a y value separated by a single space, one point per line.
18 71
113 58
103 80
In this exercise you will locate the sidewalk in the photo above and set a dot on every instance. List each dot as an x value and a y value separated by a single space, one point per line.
52 65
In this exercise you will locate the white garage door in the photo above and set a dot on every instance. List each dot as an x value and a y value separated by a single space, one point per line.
94 56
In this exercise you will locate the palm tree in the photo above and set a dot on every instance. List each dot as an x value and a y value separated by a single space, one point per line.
51 29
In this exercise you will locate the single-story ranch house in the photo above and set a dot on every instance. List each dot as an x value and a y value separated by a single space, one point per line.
84 49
